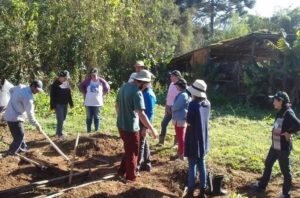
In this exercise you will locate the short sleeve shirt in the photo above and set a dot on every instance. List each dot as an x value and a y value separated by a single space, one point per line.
129 99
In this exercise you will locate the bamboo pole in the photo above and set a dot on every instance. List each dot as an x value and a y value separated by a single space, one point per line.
26 188
73 159
54 146
32 161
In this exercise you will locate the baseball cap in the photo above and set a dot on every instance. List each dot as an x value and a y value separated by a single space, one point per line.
38 85
64 73
181 83
94 71
281 95
175 73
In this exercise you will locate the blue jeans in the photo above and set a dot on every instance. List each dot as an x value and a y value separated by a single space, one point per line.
164 124
195 163
283 158
61 111
17 132
144 153
92 113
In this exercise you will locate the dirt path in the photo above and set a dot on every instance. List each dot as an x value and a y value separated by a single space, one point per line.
167 178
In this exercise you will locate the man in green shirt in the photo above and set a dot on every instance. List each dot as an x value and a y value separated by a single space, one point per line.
130 110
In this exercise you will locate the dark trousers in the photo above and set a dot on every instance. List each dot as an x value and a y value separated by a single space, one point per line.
61 111
131 142
144 153
164 123
17 132
283 158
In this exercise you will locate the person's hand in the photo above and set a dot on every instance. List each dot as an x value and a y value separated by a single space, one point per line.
287 136
39 128
154 133
144 132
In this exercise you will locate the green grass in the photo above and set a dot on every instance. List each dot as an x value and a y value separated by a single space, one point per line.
240 135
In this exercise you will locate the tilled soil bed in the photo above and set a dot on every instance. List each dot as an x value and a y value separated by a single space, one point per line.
100 155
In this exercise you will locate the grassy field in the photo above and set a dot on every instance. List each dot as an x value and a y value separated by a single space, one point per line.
240 135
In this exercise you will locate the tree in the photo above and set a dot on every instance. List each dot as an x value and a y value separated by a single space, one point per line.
212 11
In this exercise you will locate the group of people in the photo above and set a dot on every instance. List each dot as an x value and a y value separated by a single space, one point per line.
187 107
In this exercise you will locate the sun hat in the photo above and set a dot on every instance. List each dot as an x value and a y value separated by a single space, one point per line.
181 83
175 73
94 71
139 63
37 84
144 76
281 95
198 88
64 73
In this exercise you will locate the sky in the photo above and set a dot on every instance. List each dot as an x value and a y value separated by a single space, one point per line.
267 7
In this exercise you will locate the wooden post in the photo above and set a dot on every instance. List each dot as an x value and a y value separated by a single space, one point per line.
73 159
54 145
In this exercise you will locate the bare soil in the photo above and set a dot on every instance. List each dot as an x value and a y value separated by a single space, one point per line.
101 154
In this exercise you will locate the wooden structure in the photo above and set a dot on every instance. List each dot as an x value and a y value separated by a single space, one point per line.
230 57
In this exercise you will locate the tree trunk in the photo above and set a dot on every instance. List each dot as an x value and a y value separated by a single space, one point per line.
212 18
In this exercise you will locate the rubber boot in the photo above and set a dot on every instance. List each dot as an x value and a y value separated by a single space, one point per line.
161 140
217 185
209 181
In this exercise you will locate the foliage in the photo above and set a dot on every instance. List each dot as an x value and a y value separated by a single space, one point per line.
38 38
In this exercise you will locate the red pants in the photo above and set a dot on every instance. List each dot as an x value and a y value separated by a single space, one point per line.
129 161
180 135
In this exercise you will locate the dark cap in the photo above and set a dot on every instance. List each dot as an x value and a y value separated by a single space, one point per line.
37 84
175 73
64 73
181 83
281 95
94 71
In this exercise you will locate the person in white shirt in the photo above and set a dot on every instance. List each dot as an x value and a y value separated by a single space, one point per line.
94 88
21 102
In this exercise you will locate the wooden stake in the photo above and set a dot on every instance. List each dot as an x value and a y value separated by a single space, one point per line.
73 159
54 145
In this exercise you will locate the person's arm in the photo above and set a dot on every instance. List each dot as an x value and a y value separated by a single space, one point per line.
83 86
52 97
293 125
71 103
105 85
145 121
29 108
149 103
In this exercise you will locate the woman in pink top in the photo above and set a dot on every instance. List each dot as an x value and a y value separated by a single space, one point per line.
172 93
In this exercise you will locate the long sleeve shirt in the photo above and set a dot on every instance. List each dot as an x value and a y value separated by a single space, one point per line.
180 107
172 93
196 138
290 124
60 94
150 101
20 105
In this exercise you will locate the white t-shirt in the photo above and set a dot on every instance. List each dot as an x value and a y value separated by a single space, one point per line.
132 77
4 93
94 94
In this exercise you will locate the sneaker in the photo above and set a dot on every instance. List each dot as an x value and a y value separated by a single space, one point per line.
138 174
61 137
187 194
